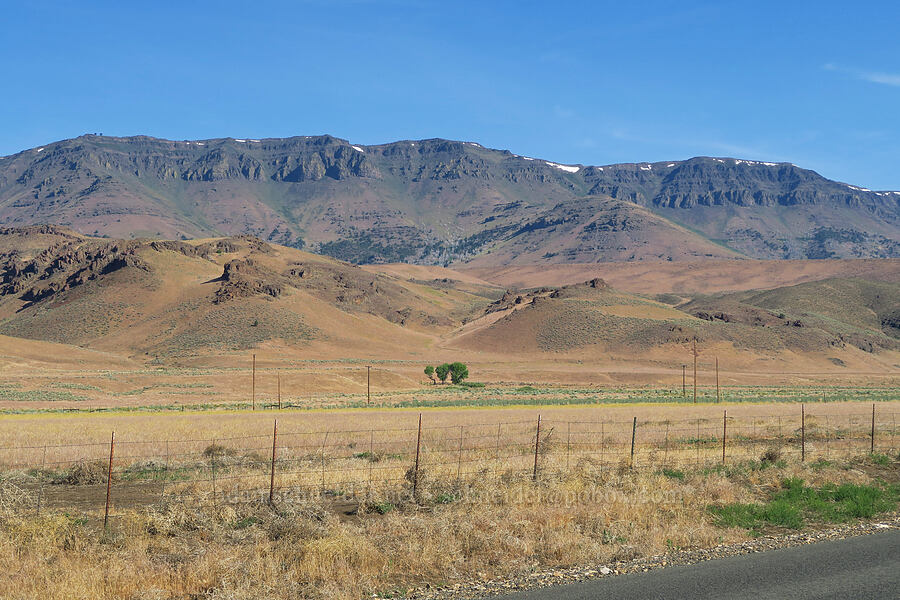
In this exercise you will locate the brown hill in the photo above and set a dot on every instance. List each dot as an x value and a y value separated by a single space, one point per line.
148 301
165 298
592 319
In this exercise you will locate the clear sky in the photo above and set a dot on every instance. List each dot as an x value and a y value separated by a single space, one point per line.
813 83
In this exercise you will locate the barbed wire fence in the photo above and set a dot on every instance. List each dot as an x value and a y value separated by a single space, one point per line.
366 464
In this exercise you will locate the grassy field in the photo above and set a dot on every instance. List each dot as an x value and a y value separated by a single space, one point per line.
394 384
475 529
353 517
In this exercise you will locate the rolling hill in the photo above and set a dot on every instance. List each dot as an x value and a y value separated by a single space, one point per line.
155 299
443 202
161 302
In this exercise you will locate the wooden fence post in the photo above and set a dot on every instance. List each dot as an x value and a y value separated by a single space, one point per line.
109 475
537 446
253 386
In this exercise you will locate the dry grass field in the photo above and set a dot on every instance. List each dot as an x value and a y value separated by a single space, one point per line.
353 517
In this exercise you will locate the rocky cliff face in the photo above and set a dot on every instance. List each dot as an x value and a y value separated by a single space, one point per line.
439 201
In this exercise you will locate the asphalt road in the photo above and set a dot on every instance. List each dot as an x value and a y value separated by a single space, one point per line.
866 566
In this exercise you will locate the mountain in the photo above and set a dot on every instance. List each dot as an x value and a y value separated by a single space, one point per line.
442 202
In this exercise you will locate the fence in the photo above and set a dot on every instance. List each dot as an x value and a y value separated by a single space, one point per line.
373 462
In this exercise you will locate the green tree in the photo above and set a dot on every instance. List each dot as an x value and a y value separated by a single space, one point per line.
429 371
458 372
442 371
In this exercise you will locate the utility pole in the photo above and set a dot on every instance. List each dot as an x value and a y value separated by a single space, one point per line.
718 398
368 384
694 352
253 385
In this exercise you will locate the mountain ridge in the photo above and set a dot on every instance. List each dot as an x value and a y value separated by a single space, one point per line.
444 202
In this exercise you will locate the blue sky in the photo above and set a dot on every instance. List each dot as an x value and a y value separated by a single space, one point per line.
814 83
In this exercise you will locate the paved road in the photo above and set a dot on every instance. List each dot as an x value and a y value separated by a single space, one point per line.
867 566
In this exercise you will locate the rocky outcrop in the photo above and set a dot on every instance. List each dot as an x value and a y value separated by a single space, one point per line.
63 266
244 277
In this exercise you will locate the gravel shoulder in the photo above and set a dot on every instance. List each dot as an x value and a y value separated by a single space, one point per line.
545 579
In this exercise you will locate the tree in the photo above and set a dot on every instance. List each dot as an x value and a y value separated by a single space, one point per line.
442 371
429 370
458 372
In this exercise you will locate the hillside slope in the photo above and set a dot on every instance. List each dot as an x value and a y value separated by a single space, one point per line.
170 298
858 318
442 202
164 302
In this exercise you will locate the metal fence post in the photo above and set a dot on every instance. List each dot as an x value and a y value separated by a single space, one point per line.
872 445
724 433
459 456
666 450
568 443
633 434
41 489
371 456
537 446
272 475
802 433
324 442
212 462
162 493
109 475
697 443
418 448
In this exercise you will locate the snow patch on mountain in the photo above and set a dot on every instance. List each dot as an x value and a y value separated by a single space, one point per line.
566 168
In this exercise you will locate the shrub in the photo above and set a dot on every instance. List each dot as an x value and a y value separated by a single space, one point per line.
86 472
772 455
